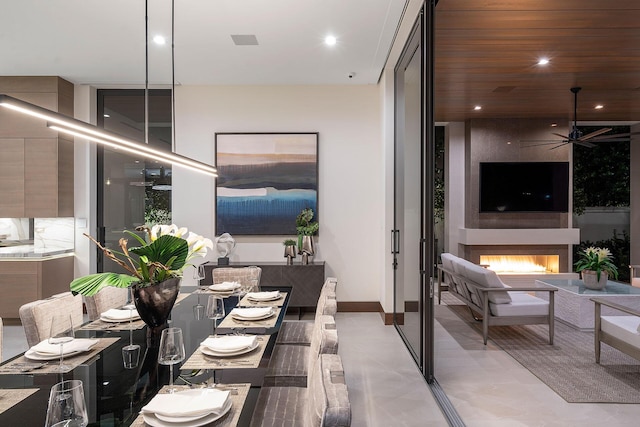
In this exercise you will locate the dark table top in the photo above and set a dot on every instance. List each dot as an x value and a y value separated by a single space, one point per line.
115 395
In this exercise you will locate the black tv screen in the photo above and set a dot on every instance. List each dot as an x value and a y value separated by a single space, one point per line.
524 187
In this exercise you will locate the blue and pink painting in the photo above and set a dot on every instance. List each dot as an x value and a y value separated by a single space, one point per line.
264 181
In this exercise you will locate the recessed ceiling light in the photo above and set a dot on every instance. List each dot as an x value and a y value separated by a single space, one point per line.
599 107
554 125
330 40
159 40
477 107
106 116
543 61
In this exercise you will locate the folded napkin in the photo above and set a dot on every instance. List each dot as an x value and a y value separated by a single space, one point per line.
251 312
225 286
75 346
118 314
188 404
229 343
263 296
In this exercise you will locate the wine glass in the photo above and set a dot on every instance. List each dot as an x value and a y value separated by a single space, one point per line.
198 274
215 310
130 352
61 332
66 405
171 351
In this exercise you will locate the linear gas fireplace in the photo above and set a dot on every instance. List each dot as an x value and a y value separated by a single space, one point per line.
522 264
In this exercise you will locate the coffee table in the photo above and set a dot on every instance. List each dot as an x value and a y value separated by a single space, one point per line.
573 303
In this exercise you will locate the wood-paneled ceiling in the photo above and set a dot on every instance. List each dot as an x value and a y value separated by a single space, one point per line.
487 51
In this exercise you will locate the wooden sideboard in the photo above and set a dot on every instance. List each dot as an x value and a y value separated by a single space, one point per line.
306 280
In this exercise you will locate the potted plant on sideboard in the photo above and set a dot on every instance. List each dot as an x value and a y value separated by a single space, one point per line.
289 250
306 228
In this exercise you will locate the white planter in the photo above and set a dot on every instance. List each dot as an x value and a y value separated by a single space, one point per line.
590 279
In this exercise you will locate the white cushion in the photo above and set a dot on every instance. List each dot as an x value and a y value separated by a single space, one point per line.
489 279
522 304
625 328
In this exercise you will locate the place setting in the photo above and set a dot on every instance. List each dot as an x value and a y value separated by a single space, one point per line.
250 317
265 298
119 319
224 289
61 344
228 351
192 407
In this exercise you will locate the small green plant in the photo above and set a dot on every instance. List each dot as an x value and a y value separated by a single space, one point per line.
289 242
304 225
598 260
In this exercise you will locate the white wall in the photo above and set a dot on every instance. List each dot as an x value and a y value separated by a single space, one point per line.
350 200
454 183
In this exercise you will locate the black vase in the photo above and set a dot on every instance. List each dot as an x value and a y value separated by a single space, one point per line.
154 304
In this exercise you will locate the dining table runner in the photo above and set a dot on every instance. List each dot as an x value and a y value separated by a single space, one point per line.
233 323
246 302
250 360
24 365
13 396
238 395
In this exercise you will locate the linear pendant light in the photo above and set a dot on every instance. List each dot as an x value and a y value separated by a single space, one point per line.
68 125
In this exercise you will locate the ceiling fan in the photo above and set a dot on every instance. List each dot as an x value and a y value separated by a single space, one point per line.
576 136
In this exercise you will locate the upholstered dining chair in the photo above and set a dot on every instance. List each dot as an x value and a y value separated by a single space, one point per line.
36 316
290 364
248 277
323 402
108 297
300 332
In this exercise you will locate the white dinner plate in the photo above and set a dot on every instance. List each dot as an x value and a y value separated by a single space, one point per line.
249 319
265 299
109 320
154 421
34 355
209 352
224 287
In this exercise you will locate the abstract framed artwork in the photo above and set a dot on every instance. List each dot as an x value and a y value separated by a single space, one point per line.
264 181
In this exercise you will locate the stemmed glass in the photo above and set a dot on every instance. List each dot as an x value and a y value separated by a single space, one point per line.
171 351
131 352
61 332
215 310
66 405
198 274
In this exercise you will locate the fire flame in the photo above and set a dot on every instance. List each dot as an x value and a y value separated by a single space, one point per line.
513 263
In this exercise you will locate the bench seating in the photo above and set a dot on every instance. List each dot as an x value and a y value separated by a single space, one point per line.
484 293
620 332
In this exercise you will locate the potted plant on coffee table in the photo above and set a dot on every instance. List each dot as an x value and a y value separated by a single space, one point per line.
596 266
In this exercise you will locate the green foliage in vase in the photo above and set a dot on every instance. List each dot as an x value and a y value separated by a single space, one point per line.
289 242
598 260
304 224
164 254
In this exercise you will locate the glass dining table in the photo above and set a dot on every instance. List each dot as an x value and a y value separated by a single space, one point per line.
115 395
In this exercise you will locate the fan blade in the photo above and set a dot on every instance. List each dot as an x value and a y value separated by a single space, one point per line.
594 134
561 145
584 143
544 143
616 135
561 136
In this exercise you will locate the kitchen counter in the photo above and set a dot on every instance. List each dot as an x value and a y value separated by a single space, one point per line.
31 252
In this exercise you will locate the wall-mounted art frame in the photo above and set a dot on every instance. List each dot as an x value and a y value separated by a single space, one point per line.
264 181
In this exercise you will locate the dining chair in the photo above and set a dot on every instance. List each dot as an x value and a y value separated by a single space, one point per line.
108 297
290 364
324 402
36 316
300 332
248 277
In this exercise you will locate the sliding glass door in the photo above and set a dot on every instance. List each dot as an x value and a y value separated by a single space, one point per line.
413 237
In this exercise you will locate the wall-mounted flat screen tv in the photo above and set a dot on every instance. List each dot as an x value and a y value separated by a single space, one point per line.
524 187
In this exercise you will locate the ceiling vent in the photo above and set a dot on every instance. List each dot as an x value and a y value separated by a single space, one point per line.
244 39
